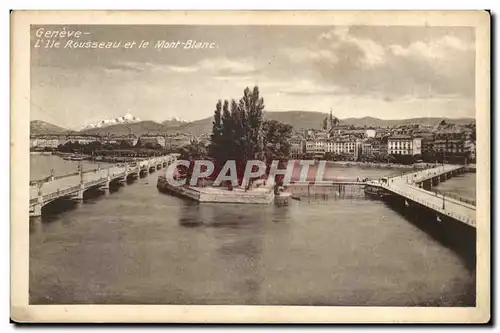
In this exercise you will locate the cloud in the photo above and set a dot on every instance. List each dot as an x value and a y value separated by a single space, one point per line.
438 48
306 87
373 52
219 66
297 55
420 63
179 69
227 66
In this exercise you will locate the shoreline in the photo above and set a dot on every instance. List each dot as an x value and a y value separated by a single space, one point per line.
373 165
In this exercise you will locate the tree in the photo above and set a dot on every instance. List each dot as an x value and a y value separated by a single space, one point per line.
138 144
227 139
216 136
238 134
195 150
276 141
124 144
253 106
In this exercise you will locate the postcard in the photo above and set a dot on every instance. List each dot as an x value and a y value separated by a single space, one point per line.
250 166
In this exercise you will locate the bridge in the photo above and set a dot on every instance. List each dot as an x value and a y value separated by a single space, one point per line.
416 187
72 186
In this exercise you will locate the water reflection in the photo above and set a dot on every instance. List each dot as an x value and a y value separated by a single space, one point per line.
189 215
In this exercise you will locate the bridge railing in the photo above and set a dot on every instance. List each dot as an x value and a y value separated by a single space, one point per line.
437 208
61 193
460 198
427 174
95 182
448 197
130 169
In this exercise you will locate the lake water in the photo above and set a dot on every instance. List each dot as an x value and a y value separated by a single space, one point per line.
139 246
42 165
462 185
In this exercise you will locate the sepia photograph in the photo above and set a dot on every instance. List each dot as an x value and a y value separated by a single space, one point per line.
268 161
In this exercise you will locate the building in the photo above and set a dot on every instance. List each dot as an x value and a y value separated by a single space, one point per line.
310 146
297 146
152 140
427 141
404 145
379 145
454 144
46 142
82 139
319 148
344 146
472 154
177 140
33 142
130 140
370 133
367 147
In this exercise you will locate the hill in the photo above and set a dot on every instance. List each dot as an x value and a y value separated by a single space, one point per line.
298 119
314 120
139 128
371 121
39 127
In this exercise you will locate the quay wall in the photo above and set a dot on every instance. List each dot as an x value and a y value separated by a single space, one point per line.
221 197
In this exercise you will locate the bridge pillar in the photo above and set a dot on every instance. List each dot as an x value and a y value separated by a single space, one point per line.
435 181
427 184
79 195
105 188
37 211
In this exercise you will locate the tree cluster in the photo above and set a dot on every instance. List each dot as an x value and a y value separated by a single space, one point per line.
239 133
237 130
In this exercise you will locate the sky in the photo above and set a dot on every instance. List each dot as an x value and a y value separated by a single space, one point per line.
388 72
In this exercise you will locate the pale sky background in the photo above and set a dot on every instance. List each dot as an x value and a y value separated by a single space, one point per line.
385 72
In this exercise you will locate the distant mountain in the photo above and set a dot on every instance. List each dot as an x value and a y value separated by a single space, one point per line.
298 119
126 119
39 127
139 128
173 122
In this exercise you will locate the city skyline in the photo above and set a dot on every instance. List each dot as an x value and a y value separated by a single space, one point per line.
382 72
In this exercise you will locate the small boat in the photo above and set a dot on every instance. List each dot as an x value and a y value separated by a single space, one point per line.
73 157
76 158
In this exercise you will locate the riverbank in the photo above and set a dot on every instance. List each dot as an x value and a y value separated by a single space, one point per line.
371 165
